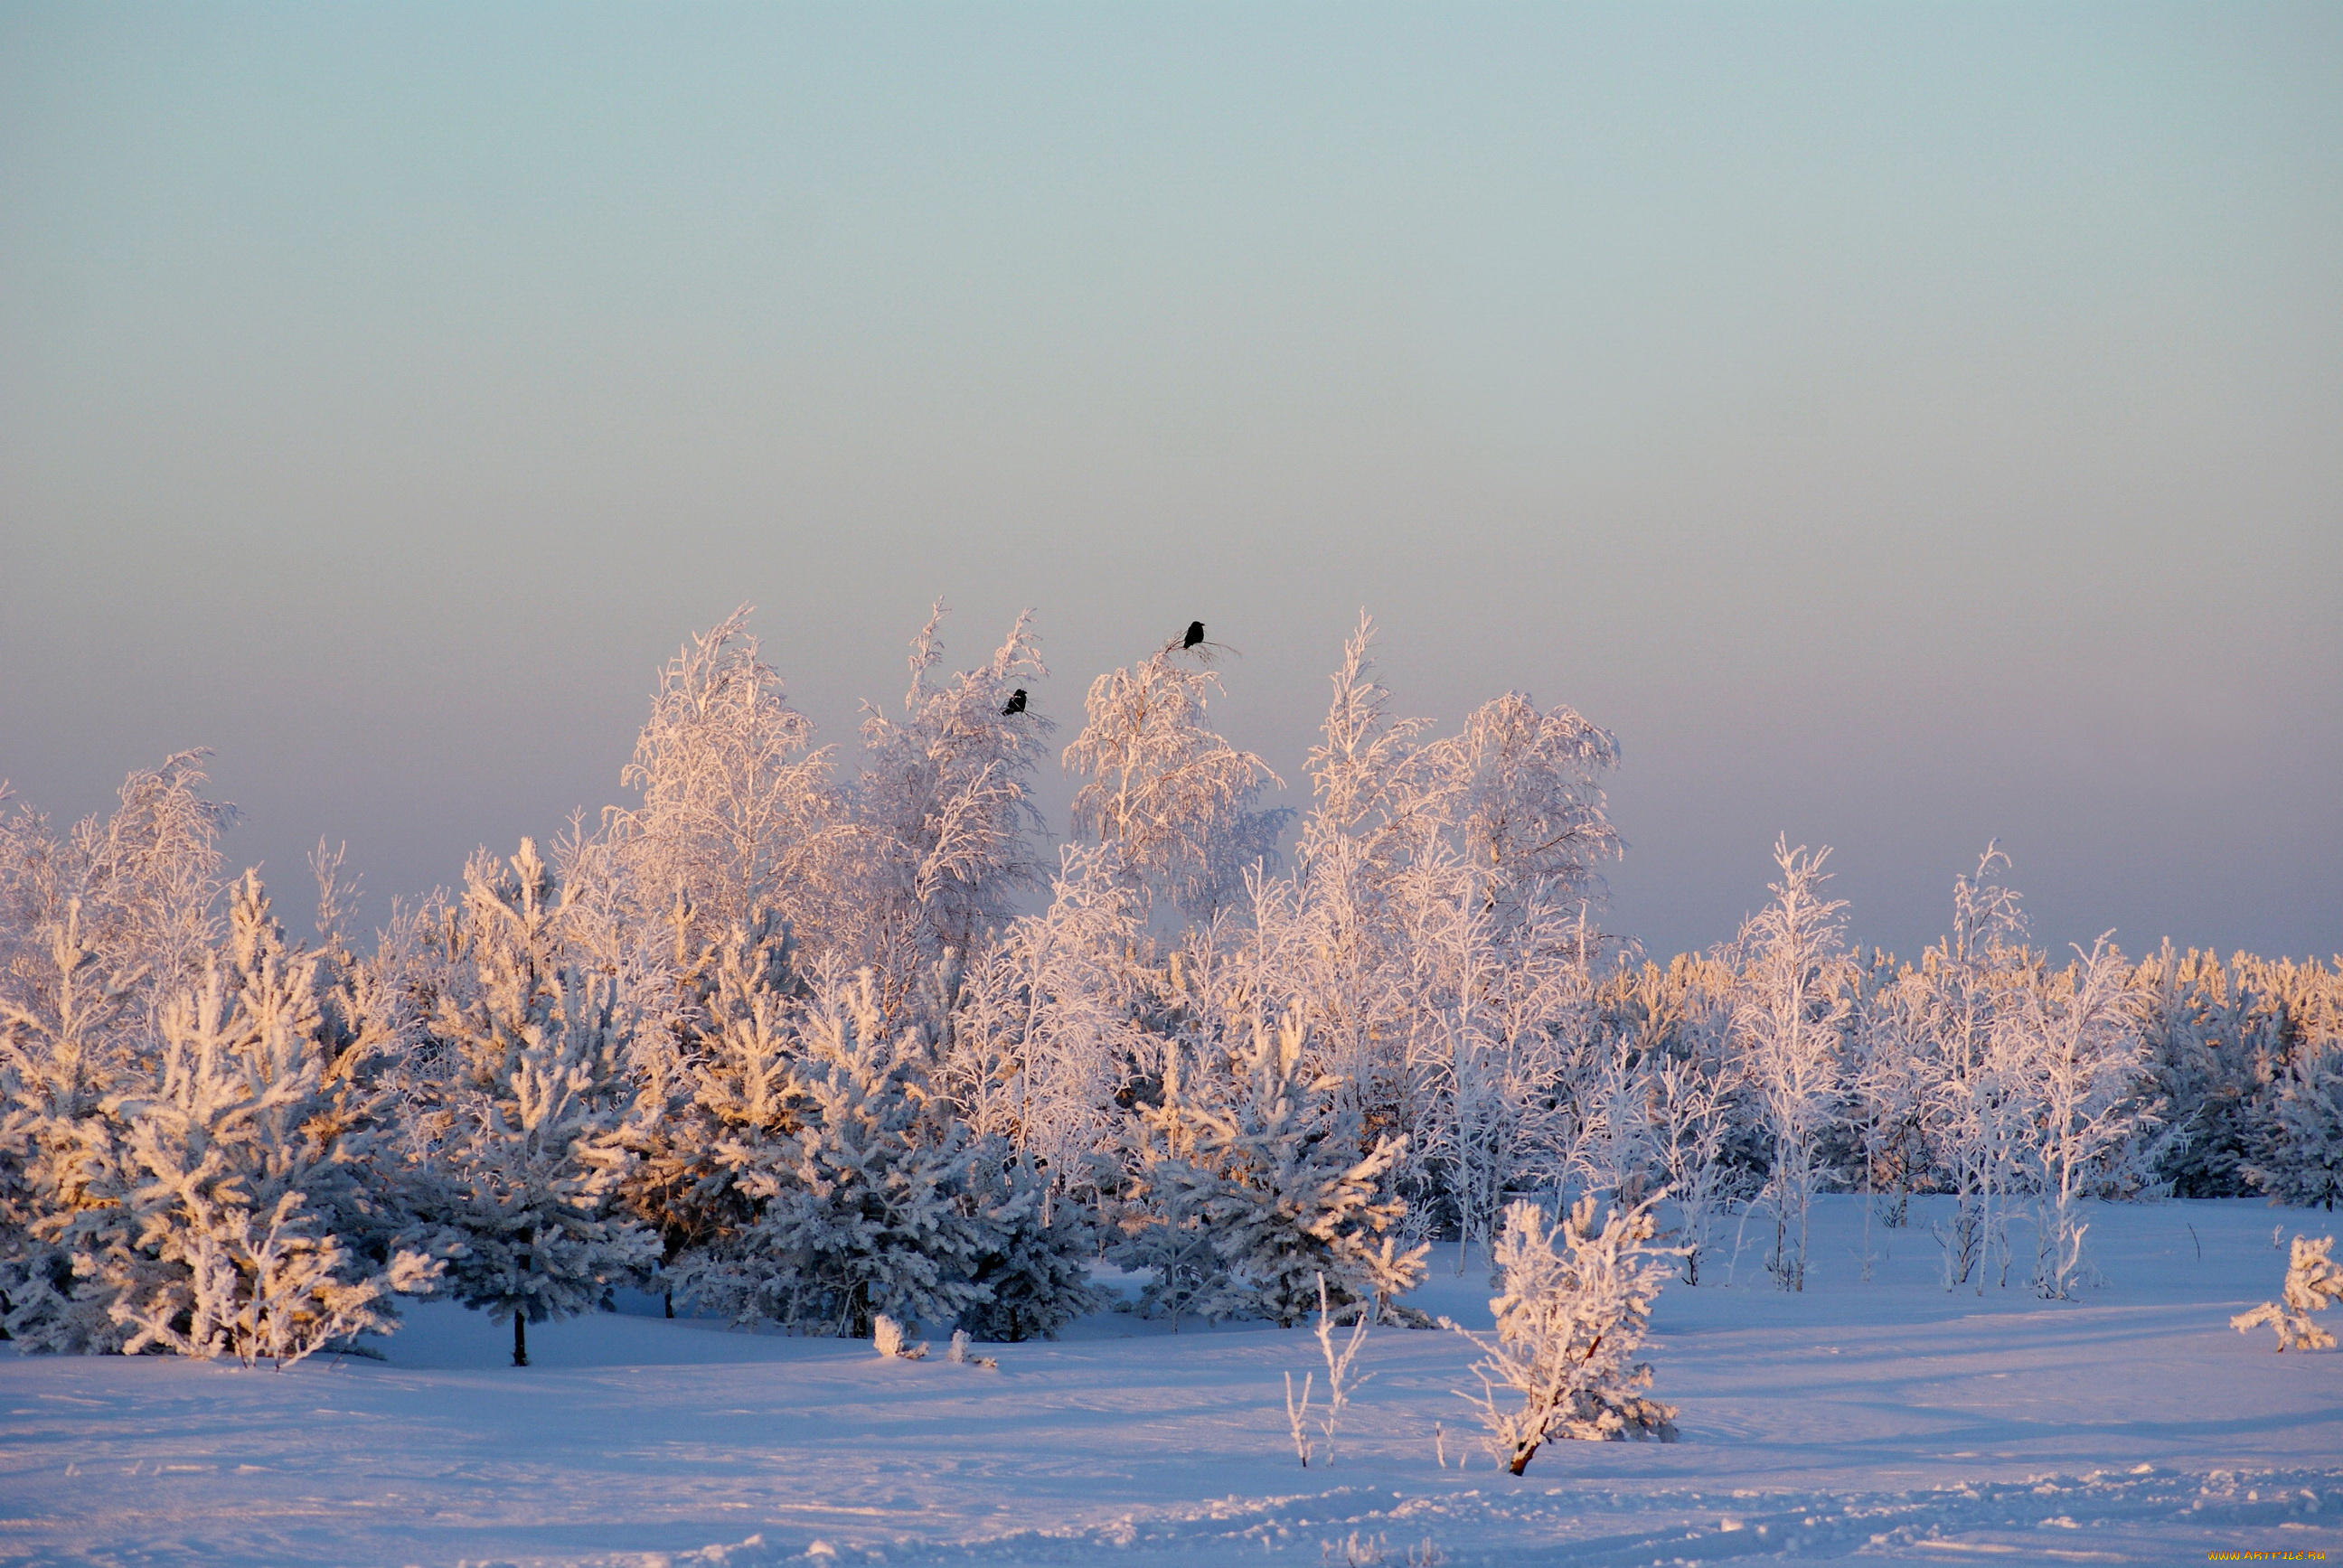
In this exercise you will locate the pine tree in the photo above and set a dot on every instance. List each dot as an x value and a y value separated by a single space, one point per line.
1288 1194
525 1149
1034 1264
861 1208
205 1190
2303 1160
59 1187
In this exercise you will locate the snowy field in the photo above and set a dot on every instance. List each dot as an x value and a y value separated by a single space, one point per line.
1866 1421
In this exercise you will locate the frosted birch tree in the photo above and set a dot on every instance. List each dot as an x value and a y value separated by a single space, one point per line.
1045 1031
1174 798
739 811
2073 1042
1971 1103
1689 1103
1792 1002
944 823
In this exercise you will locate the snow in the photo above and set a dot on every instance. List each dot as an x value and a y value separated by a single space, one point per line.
1862 1422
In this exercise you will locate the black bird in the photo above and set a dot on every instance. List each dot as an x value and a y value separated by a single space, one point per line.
1016 703
1195 634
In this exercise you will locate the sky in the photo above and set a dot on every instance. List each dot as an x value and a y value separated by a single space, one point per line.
1902 426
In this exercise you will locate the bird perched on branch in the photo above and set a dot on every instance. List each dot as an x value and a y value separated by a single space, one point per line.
1016 703
1195 642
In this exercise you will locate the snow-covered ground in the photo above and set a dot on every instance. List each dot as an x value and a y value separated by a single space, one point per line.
1878 1420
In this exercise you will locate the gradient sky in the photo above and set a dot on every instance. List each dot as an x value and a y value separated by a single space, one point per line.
1901 425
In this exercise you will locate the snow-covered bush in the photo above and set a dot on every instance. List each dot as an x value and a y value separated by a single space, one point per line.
2314 1281
1574 1307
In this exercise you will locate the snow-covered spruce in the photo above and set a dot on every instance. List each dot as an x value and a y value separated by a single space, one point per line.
2301 1158
1573 1306
2314 1281
1033 1265
525 1147
863 1207
194 1209
1287 1195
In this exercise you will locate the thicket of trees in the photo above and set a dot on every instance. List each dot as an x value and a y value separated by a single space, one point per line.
807 1045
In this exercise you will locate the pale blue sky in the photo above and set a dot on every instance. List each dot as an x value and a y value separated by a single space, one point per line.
1901 425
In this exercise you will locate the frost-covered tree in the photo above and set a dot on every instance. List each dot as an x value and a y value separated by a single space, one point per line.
1033 1266
1045 1033
2221 1037
1174 798
219 1198
864 1208
1889 1092
1689 1103
1972 1103
740 813
726 1103
1288 1193
1162 1207
945 828
145 882
59 1061
2302 1159
1493 1000
1793 1002
1574 1305
2314 1281
2072 1048
1516 790
525 1147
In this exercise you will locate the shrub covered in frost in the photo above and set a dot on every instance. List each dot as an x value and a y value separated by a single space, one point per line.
1573 1306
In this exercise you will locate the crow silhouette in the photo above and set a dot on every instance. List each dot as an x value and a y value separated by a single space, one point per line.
1016 703
1195 634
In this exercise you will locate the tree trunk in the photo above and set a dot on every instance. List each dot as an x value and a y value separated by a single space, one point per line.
670 1303
1521 1459
520 1338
